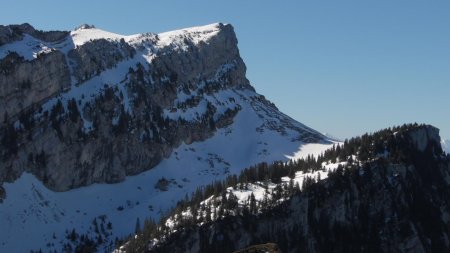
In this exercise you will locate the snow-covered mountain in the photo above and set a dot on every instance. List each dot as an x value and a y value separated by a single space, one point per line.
157 115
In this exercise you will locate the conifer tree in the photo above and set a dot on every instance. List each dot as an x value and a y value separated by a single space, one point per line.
253 208
137 229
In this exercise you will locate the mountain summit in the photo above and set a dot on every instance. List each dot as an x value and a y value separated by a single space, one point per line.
158 115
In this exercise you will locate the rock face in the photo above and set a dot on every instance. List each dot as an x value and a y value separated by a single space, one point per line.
27 83
423 136
89 106
13 33
92 58
220 50
381 206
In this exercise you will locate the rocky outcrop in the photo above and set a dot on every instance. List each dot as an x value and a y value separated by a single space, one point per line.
7 35
13 33
422 137
195 61
27 83
92 58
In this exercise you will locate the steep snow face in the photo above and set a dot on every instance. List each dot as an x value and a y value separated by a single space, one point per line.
446 146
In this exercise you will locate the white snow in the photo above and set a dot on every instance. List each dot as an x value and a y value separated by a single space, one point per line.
82 35
194 34
29 48
259 189
307 149
446 146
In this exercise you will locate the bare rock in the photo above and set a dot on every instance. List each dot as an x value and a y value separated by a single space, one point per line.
24 83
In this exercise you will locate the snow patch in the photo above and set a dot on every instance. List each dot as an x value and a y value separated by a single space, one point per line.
446 146
82 35
309 149
29 48
194 34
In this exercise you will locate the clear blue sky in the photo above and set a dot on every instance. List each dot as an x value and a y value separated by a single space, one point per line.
342 67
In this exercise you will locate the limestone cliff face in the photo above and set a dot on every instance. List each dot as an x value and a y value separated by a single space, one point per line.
13 33
27 83
94 107
203 60
92 58
425 136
